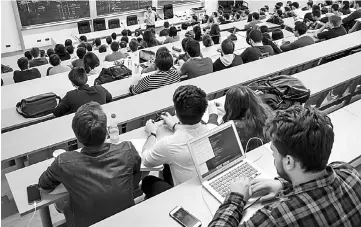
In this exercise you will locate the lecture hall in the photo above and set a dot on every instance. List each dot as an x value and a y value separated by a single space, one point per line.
167 113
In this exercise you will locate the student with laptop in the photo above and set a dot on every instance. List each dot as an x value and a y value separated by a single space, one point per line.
308 192
100 179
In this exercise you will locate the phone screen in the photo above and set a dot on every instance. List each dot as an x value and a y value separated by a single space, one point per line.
33 194
185 218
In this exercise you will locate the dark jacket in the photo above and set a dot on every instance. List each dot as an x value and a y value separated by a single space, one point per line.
78 97
275 20
64 56
218 65
29 74
301 42
332 33
100 181
349 21
255 53
37 62
164 32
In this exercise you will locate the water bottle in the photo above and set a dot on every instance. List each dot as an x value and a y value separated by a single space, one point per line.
130 62
114 130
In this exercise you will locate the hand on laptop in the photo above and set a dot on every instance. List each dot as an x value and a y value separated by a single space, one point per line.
271 187
242 186
150 127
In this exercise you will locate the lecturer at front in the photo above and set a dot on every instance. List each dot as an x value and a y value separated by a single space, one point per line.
149 17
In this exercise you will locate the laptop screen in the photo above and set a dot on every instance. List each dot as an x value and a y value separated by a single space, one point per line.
217 150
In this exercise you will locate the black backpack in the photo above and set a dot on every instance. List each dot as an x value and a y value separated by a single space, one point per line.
281 92
112 74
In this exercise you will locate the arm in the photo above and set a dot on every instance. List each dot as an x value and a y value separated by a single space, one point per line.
155 153
62 108
182 70
350 18
137 174
288 46
321 34
108 96
50 179
142 86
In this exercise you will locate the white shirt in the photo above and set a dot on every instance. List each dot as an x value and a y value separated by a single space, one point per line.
173 150
150 17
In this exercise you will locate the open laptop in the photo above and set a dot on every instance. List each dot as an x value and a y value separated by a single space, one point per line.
219 158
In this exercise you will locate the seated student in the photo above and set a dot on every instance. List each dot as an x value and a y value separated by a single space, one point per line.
289 13
123 47
83 38
89 47
25 73
70 50
55 61
227 59
303 39
277 36
37 60
255 20
316 15
197 33
68 42
60 50
50 52
196 65
207 41
276 18
42 53
184 56
345 10
101 177
97 43
124 39
165 31
80 52
335 29
91 64
334 11
308 18
304 178
149 40
349 21
215 33
267 40
296 9
28 55
166 74
108 40
116 55
82 94
114 36
102 49
205 19
184 28
190 103
172 35
257 49
82 45
248 112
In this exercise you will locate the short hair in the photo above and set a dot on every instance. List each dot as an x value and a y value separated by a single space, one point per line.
226 16
60 49
173 31
124 32
255 35
287 9
54 60
190 103
122 44
304 133
279 13
335 7
98 42
91 61
300 27
129 32
316 13
133 45
280 4
83 38
255 15
114 36
23 63
82 45
277 34
70 49
80 52
125 39
78 76
42 53
138 32
207 41
35 52
164 61
90 124
197 33
28 55
295 4
335 20
316 7
166 24
263 29
114 46
184 26
193 48
184 42
68 42
263 9
89 47
232 37
50 52
108 40
102 49
324 10
227 46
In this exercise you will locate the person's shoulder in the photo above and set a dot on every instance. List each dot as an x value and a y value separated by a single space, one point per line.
345 170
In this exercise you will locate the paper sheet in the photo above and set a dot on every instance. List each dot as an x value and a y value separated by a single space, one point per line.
138 144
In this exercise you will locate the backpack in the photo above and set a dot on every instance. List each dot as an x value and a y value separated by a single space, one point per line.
111 74
37 106
281 92
6 68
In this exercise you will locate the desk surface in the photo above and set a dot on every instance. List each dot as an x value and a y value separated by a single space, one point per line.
354 108
33 136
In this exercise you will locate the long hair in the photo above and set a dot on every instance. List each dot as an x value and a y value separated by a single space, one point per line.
148 37
243 104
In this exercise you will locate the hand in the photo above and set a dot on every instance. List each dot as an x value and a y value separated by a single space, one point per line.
169 120
271 187
242 186
150 127
212 108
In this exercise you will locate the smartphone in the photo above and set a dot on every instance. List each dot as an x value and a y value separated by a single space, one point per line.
33 194
184 218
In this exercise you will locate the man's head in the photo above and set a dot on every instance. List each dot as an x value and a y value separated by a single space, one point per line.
184 26
334 21
68 42
227 46
35 52
83 38
334 8
89 47
122 44
164 60
300 28
316 15
255 16
133 45
114 36
255 36
42 53
109 40
193 48
264 29
124 32
54 60
90 124
207 40
102 49
114 46
78 76
190 103
80 52
23 63
50 52
301 141
69 49
98 42
28 55
277 34
295 5
173 31
316 7
166 24
149 9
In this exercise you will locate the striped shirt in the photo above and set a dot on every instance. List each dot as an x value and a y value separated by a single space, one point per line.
156 80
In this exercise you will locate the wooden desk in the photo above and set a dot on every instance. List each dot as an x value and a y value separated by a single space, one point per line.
61 131
354 108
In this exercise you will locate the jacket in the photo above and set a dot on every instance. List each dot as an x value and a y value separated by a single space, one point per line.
218 65
301 42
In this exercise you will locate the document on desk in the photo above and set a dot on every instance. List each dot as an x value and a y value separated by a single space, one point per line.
59 190
138 144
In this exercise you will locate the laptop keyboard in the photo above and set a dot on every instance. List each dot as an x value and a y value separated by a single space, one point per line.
222 184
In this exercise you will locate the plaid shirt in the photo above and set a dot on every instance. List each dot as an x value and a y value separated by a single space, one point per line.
333 200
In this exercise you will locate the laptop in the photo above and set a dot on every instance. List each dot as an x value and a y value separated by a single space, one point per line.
219 158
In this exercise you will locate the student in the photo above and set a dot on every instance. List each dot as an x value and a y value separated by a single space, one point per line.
102 49
70 50
97 43
255 20
91 64
184 57
82 94
37 60
257 49
215 33
190 104
308 18
80 52
50 52
349 21
60 50
301 143
345 10
55 61
335 29
227 59
288 13
108 40
334 11
196 65
28 55
165 31
83 38
276 18
116 55
149 17
248 112
303 39
89 47
316 16
184 29
152 67
277 36
172 35
197 33
296 9
125 39
114 36
82 45
133 45
68 42
149 40
25 73
166 74
42 53
101 177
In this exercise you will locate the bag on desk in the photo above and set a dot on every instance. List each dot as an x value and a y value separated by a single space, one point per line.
146 55
37 106
111 74
281 92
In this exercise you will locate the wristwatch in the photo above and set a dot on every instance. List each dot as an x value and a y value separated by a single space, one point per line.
152 134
